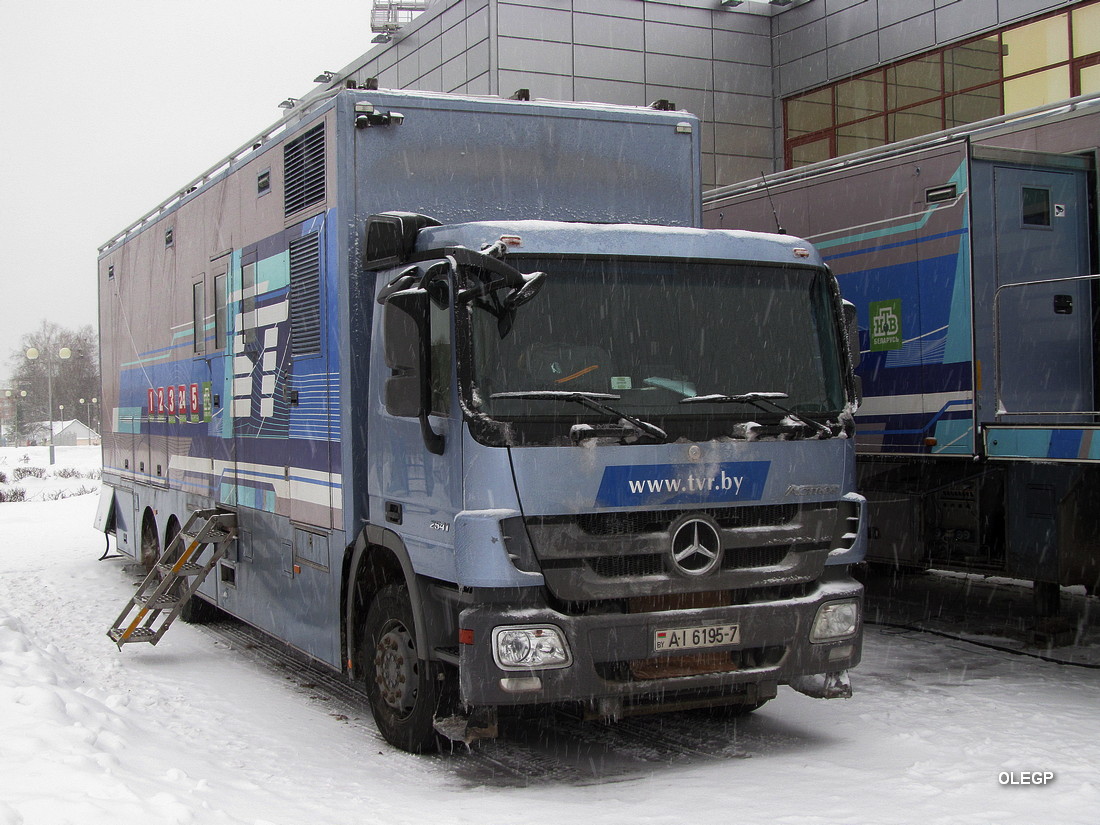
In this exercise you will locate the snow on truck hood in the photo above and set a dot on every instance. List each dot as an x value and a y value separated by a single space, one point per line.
557 237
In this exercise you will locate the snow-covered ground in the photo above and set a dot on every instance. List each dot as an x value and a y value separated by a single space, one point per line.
194 731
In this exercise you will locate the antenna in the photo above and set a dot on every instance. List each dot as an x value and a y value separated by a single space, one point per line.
778 226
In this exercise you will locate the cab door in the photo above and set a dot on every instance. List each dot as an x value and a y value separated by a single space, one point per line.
415 487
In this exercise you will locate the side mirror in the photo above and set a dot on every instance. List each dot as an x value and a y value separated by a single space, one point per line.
851 325
521 295
391 238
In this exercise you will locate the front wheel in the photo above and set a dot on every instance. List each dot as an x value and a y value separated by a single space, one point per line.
404 690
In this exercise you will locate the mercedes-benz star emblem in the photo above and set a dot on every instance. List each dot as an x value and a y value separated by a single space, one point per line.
696 547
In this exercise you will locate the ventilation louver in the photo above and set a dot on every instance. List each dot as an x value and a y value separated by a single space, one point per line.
305 295
304 170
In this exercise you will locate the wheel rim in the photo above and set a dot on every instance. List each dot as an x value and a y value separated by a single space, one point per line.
395 668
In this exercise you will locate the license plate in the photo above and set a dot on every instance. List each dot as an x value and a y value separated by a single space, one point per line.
688 638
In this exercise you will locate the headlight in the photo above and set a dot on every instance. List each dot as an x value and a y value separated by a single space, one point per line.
835 620
530 647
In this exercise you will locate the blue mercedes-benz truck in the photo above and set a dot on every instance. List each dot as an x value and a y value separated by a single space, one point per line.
490 422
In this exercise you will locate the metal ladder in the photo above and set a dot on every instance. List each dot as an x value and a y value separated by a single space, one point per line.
175 577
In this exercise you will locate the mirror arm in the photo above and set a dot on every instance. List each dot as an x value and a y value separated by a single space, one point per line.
432 440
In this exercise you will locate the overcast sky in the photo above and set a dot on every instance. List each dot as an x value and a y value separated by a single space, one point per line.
110 106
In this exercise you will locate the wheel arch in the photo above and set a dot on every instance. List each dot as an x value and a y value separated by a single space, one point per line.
378 558
172 527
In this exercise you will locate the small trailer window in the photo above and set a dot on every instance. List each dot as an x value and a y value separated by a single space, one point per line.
1036 206
219 311
198 305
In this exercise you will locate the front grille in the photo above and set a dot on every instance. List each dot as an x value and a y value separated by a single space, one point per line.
655 521
652 564
600 556
613 567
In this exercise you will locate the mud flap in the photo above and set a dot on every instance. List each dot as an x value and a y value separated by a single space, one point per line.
834 685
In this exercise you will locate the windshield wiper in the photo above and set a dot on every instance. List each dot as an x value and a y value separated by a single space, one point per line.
592 400
761 400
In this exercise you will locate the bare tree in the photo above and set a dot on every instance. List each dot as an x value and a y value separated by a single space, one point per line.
70 379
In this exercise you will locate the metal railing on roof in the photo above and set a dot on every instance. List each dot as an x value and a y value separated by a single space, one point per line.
223 165
391 15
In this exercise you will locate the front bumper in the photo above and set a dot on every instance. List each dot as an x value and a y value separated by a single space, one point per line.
613 654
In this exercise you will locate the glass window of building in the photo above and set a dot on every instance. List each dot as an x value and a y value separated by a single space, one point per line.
859 136
1030 47
859 98
1037 89
972 106
813 151
1086 30
1042 61
810 113
973 64
914 81
914 121
1088 79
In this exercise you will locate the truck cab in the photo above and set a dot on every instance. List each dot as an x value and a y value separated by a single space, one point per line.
616 465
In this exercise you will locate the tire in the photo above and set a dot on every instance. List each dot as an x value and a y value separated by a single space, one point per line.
404 691
198 610
150 544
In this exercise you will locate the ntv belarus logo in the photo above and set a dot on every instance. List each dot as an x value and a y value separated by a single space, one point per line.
885 325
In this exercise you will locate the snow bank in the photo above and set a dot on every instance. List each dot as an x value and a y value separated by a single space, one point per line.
195 731
27 475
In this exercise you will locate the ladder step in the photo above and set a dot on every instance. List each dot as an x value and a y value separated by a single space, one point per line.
189 569
165 601
138 634
214 535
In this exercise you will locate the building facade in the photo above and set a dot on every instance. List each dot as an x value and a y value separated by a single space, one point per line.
776 84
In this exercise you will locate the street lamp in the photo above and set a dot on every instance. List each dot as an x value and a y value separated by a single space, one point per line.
63 354
88 410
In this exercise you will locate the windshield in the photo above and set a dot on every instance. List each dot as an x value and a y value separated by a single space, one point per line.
652 333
